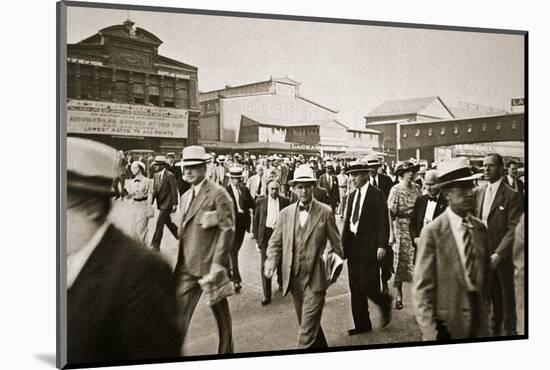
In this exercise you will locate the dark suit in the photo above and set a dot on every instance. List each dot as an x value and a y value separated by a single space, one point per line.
331 187
360 249
242 224
176 170
121 307
419 211
504 215
262 233
383 183
165 192
318 193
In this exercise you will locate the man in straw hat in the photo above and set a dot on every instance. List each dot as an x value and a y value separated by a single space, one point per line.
365 239
500 208
300 239
206 238
243 205
329 182
450 286
120 296
165 192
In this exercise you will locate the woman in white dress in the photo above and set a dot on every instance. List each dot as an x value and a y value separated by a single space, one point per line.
140 190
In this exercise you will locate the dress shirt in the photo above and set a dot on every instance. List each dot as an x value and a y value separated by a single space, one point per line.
302 216
272 212
373 179
488 203
237 194
430 210
352 226
195 189
77 260
161 174
458 233
329 180
513 183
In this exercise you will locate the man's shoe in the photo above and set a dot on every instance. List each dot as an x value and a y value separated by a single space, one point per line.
358 331
386 315
266 301
237 287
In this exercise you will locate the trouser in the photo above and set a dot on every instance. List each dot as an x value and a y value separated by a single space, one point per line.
503 300
188 293
266 282
163 219
240 229
116 181
309 308
342 205
364 283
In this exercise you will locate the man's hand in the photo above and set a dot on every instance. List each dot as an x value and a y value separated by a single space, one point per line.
416 241
269 269
258 248
381 253
495 260
174 208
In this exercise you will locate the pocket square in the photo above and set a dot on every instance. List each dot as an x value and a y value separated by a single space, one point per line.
209 219
501 208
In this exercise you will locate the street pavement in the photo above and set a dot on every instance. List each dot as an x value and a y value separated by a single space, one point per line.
275 326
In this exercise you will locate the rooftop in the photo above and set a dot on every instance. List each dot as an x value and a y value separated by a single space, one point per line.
405 106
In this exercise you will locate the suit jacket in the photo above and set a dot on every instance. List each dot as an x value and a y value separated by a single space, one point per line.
122 307
332 191
385 184
519 184
252 185
373 229
176 170
200 247
260 217
319 228
165 193
248 204
503 218
318 193
419 210
439 287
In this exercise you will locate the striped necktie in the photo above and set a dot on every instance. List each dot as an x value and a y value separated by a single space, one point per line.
469 250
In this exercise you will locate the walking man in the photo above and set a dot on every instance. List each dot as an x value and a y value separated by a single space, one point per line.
206 237
365 239
165 192
329 182
300 239
450 286
265 220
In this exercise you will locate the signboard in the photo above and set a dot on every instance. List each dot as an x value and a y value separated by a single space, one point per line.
296 146
518 102
106 118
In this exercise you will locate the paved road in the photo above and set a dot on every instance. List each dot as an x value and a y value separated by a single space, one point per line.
274 327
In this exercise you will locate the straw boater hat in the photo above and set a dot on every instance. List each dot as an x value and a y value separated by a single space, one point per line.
455 170
220 159
193 155
160 159
406 166
90 166
372 160
170 155
303 174
235 172
138 164
362 166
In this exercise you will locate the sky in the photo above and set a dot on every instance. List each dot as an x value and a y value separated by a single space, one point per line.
349 68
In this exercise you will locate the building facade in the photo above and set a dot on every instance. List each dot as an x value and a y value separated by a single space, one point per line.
122 92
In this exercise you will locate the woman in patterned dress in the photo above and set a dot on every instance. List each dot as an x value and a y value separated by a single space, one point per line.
400 203
140 190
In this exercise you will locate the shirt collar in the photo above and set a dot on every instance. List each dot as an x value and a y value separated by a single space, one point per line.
364 188
510 179
454 219
494 186
77 260
198 187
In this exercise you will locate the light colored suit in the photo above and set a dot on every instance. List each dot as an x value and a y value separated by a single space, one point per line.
439 288
206 237
309 290
252 185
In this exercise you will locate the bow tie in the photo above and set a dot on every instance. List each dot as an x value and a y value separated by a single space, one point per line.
136 180
433 199
302 207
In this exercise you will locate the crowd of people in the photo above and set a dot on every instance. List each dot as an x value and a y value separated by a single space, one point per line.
456 238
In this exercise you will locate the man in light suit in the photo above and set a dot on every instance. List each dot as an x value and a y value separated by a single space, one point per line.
257 184
512 178
451 276
500 207
206 238
265 220
165 192
299 239
365 239
329 182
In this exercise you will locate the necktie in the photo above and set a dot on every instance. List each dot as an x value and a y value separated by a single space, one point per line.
432 199
241 200
259 191
329 182
487 204
374 182
356 210
468 250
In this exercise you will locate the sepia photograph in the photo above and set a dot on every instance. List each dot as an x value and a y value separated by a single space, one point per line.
240 184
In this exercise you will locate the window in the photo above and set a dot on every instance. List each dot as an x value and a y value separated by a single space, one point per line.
456 130
405 134
442 132
417 133
430 132
498 126
484 127
470 129
513 125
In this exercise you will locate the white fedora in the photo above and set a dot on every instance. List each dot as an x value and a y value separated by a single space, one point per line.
455 170
193 155
303 174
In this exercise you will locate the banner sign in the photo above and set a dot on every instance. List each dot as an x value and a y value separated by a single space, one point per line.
304 146
106 118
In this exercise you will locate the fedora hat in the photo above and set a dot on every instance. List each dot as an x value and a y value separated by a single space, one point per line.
303 174
357 166
235 172
455 170
406 166
371 160
90 166
193 155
